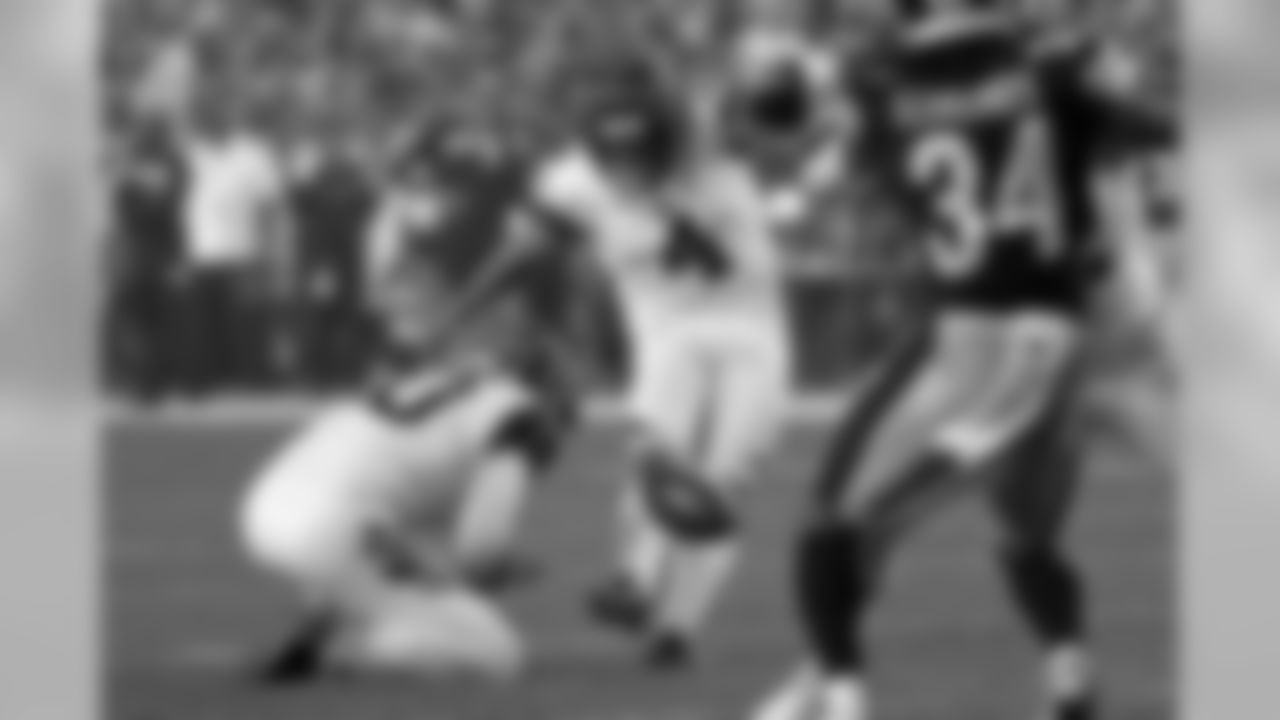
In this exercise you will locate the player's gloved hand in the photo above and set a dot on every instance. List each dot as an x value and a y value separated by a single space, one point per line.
690 248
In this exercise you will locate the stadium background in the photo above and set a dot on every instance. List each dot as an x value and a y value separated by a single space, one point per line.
312 74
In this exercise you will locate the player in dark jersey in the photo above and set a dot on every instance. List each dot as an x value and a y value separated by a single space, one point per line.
989 137
464 188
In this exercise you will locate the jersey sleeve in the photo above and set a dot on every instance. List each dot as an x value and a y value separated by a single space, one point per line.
1102 83
746 215
558 199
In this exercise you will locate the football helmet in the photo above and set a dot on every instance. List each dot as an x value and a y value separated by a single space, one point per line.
636 125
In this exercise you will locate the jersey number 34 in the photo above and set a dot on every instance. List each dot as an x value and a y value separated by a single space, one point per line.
977 203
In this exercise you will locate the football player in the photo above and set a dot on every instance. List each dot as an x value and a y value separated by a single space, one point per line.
780 77
989 135
681 234
392 514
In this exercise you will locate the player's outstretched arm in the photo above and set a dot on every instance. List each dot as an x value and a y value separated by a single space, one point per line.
529 240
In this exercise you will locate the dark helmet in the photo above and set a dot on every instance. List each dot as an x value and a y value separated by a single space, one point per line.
445 149
634 122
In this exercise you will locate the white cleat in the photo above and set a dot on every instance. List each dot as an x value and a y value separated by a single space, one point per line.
792 700
808 696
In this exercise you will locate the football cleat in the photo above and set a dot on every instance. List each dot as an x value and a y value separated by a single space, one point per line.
807 696
302 656
669 651
620 606
1083 708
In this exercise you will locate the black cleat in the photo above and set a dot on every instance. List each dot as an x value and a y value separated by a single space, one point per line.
1084 708
302 656
620 606
669 652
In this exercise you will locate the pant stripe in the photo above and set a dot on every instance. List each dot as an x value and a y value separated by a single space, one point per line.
864 417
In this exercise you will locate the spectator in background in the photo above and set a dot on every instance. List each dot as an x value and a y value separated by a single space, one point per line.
165 93
234 215
148 194
332 200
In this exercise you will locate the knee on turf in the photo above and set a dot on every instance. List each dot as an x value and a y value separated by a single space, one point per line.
441 633
689 506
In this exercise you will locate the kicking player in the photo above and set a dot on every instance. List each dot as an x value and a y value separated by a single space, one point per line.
391 514
991 138
681 234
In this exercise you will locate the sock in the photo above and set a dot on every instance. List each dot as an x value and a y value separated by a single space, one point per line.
843 698
645 546
493 509
832 591
1068 674
1048 593
696 576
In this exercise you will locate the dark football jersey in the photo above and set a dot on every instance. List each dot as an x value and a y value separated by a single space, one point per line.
476 205
990 141
473 204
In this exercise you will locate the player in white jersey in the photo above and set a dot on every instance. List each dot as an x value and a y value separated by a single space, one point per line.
390 516
683 237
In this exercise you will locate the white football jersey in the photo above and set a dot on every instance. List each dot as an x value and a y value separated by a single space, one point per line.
630 235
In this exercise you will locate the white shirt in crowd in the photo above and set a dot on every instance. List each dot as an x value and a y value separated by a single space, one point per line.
234 184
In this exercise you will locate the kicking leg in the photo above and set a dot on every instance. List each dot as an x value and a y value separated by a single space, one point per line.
700 523
624 601
739 424
664 405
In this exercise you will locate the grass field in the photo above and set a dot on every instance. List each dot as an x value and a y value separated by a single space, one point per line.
947 647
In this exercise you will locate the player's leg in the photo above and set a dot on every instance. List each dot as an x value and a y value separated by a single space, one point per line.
839 553
907 449
317 553
747 394
1033 500
665 410
511 464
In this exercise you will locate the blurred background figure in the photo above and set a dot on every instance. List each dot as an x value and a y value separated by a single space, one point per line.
235 218
333 199
143 330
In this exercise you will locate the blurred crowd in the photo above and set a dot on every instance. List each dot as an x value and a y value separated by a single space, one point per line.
250 143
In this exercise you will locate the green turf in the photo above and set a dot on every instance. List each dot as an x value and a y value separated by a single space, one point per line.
946 645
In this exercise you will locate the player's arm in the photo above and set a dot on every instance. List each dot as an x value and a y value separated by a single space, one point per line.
824 168
1130 130
1107 82
532 235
